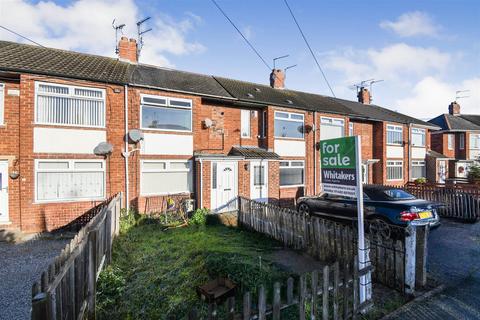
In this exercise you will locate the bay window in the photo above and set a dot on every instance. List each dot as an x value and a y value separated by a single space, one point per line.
418 169
395 170
69 180
289 125
292 173
418 137
394 135
331 128
57 104
165 113
162 177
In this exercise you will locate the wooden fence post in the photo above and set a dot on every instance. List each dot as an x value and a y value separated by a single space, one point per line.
92 274
39 306
410 259
246 306
421 256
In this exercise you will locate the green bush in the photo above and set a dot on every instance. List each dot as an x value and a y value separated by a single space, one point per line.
128 219
199 218
111 286
421 180
474 172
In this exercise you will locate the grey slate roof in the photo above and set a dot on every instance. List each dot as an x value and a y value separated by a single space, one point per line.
151 76
253 153
456 123
474 118
55 62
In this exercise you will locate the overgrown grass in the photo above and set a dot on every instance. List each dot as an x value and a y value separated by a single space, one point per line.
154 272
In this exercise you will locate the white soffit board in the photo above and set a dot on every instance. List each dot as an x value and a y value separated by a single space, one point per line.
55 140
419 153
289 148
394 152
167 144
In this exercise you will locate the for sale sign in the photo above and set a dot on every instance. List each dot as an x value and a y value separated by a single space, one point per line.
339 166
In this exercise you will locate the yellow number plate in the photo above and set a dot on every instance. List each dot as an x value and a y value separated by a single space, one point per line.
425 215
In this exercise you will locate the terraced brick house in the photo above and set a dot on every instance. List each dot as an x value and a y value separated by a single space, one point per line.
457 143
173 134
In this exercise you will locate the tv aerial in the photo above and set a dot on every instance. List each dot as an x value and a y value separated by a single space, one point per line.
458 94
366 83
118 28
140 34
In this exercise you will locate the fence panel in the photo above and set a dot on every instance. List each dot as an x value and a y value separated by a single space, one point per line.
459 201
68 287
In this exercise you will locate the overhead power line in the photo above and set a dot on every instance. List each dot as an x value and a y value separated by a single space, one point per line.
21 36
241 34
309 48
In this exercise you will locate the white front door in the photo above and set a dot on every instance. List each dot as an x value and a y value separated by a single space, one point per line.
3 191
259 181
224 186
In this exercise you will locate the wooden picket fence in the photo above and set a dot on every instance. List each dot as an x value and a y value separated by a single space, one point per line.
331 293
327 240
459 201
67 288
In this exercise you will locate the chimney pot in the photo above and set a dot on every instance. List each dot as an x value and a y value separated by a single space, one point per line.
277 79
127 49
454 108
364 96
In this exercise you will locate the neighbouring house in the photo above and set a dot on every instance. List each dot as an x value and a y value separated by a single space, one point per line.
173 134
457 144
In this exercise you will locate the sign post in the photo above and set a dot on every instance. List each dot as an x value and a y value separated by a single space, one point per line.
341 163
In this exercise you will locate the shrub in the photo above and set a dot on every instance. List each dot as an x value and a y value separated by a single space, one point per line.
128 219
421 180
474 173
111 286
199 218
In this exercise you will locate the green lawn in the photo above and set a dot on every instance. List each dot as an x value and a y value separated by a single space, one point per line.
154 272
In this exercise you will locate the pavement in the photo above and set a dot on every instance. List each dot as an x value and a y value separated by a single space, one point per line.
453 260
21 264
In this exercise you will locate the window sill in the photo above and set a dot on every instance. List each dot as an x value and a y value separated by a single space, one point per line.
69 200
291 139
67 126
5 222
394 145
293 186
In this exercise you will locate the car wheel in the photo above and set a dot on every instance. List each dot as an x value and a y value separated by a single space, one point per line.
304 209
380 228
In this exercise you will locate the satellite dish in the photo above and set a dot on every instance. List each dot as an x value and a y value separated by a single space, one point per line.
103 149
135 135
207 123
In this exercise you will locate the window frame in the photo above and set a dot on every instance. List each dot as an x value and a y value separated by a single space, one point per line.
351 129
395 165
418 131
167 169
243 113
2 104
393 128
167 105
415 163
71 88
71 168
330 122
461 141
450 141
280 167
477 135
289 119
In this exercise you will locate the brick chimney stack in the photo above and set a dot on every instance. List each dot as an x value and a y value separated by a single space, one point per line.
364 96
127 50
277 79
454 108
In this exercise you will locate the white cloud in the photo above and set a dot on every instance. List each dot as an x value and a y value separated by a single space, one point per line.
85 25
431 97
412 24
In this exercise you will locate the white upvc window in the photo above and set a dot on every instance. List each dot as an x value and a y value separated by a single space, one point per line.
418 137
474 141
331 128
292 173
245 123
289 125
166 113
62 180
58 104
2 104
450 142
461 141
394 135
418 169
163 177
394 170
350 129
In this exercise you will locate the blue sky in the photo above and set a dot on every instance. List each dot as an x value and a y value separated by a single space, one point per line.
423 50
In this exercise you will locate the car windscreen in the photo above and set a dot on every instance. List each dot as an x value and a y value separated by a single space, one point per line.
398 194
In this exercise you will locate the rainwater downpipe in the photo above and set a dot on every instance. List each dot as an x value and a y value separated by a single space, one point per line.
126 153
315 153
201 185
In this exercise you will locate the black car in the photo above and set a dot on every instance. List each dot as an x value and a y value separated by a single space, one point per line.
381 205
